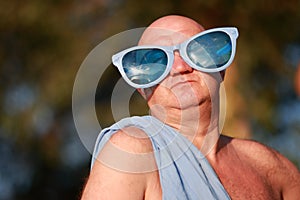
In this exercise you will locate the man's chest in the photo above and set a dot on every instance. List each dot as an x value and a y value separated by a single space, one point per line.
239 185
243 182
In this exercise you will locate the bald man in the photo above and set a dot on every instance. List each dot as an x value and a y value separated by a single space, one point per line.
180 81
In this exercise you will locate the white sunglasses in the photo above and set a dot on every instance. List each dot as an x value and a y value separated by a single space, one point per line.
209 51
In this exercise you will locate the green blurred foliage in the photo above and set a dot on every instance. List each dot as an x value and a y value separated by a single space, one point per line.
44 42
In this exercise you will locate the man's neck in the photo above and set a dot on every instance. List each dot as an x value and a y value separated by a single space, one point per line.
200 124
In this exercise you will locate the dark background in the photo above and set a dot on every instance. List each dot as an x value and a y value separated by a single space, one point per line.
43 43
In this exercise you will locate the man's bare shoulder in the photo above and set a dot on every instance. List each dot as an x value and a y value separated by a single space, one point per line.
255 151
132 139
260 154
123 167
270 163
130 150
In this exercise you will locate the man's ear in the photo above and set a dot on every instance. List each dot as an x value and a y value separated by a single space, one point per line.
142 92
222 73
146 92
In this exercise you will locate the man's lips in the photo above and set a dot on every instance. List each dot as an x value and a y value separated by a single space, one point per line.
183 82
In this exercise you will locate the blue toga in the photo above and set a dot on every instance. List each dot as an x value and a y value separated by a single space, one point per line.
183 170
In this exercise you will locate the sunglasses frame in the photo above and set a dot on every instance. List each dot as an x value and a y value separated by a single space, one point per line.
232 32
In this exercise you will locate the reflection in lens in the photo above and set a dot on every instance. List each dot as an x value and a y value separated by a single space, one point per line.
212 50
143 66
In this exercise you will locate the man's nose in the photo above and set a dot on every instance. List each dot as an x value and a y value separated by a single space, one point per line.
179 65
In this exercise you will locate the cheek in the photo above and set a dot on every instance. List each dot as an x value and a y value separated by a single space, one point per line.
210 83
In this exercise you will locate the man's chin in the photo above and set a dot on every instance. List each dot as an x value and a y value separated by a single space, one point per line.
187 103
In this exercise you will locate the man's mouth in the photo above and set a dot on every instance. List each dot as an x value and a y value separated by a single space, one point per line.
181 83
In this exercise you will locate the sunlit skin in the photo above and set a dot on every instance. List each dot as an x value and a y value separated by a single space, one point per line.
188 100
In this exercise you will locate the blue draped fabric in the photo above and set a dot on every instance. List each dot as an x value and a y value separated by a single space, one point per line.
183 170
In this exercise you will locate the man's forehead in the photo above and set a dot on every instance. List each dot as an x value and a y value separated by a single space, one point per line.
166 37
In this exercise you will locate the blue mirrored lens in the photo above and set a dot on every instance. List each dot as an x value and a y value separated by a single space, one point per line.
212 50
143 66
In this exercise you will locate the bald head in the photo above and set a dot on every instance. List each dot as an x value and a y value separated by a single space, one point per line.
177 23
170 30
